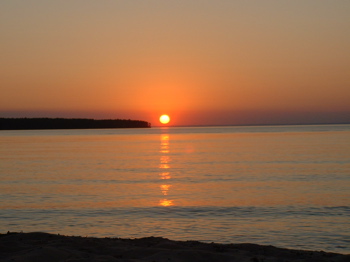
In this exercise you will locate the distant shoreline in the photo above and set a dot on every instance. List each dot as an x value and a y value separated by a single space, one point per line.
45 247
68 123
262 125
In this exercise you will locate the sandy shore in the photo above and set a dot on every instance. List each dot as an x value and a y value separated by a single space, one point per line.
48 247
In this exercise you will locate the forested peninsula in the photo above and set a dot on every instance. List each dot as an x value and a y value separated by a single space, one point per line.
68 123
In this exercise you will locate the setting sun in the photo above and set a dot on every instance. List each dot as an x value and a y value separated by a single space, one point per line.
164 119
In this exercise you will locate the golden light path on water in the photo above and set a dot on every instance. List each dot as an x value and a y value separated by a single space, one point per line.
165 169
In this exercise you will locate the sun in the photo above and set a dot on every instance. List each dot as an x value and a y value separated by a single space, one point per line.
164 119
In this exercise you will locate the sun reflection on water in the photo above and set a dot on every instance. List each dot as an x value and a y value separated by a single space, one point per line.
165 189
164 166
165 175
166 203
164 144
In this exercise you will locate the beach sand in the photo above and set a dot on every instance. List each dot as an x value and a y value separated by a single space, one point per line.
50 248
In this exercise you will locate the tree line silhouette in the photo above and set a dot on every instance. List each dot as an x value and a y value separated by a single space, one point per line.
68 123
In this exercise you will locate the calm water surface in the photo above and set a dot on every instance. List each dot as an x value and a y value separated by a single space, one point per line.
287 186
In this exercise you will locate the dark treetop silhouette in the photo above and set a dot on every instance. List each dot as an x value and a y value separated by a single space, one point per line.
71 123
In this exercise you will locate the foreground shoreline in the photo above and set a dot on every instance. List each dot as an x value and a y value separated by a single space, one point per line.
39 247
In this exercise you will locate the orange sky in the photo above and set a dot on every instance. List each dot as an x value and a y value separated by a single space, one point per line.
201 62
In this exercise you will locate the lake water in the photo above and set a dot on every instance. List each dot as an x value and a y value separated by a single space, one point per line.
287 186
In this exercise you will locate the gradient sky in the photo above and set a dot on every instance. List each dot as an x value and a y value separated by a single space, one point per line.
201 62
